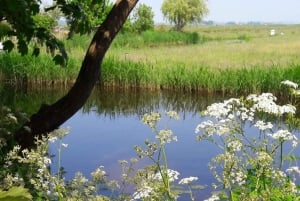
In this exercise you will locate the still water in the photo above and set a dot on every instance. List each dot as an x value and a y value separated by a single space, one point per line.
109 125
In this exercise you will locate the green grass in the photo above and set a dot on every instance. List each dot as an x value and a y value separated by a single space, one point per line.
42 69
181 77
155 38
231 59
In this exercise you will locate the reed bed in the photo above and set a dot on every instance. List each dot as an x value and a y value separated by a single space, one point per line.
39 70
197 78
155 38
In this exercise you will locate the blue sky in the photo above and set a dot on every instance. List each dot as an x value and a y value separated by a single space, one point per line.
283 11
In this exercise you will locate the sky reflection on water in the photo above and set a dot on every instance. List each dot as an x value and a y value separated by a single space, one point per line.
106 129
97 139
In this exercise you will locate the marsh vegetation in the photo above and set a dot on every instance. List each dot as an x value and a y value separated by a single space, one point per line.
231 59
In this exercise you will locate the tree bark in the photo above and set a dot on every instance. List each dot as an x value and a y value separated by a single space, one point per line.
50 117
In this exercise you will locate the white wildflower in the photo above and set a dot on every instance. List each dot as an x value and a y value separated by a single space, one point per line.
203 125
238 177
222 129
99 174
166 136
230 117
151 119
214 197
287 109
293 170
264 158
64 145
266 103
47 161
12 118
52 139
172 175
235 145
290 83
218 110
208 127
141 193
282 135
295 142
187 180
261 125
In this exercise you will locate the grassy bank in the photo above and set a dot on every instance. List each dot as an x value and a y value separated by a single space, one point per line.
223 58
197 78
38 70
127 73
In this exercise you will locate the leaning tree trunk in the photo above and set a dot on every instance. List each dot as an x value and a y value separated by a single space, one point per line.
50 117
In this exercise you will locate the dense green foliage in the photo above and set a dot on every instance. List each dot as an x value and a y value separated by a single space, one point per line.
181 12
45 21
26 23
143 18
84 16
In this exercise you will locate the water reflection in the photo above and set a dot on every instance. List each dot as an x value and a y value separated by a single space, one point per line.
106 129
116 102
111 102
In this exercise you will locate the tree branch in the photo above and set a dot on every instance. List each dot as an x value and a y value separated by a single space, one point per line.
50 117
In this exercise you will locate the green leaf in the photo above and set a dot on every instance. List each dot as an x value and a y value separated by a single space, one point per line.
22 46
36 51
8 45
59 60
15 194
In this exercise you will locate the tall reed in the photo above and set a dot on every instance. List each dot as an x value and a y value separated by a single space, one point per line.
155 38
197 78
42 69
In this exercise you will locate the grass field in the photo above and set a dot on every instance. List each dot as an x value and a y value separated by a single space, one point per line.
225 46
233 59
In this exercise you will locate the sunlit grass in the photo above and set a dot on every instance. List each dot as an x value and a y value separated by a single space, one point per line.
266 52
42 69
227 58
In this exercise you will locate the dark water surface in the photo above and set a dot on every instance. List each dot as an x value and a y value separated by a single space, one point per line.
106 129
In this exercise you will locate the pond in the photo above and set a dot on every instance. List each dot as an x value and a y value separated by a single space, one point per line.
109 125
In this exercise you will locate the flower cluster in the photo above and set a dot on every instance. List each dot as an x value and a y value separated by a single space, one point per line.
171 174
266 103
290 84
166 136
155 182
251 156
188 180
143 192
151 119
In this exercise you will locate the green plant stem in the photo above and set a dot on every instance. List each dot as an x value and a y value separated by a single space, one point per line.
191 193
281 155
165 177
59 168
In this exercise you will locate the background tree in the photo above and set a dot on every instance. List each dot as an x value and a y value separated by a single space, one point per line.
83 16
56 14
181 12
45 21
142 19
